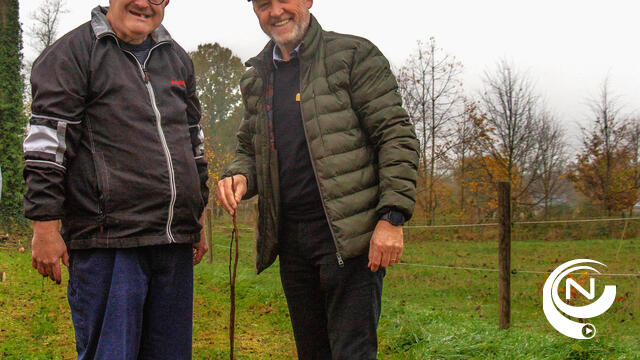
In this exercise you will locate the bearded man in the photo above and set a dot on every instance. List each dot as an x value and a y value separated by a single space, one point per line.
332 155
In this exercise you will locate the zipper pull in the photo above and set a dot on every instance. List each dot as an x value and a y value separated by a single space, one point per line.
146 76
340 262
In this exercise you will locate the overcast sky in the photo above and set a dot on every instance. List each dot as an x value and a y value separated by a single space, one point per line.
568 47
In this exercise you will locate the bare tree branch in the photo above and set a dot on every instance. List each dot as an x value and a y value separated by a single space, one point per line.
511 108
553 161
432 93
44 30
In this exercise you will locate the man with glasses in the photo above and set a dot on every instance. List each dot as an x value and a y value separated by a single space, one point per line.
115 153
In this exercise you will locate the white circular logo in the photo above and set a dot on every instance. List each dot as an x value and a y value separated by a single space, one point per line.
555 309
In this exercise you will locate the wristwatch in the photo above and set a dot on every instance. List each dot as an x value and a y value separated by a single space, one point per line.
393 216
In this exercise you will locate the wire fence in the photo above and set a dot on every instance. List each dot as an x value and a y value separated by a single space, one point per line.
513 271
469 268
505 235
465 268
568 221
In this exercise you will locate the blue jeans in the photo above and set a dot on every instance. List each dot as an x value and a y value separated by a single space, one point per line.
129 304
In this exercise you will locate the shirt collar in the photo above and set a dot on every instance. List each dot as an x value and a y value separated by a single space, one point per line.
277 57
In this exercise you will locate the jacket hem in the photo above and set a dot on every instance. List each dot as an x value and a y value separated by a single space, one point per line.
131 242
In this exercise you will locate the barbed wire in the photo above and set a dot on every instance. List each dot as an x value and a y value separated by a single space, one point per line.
231 228
523 223
227 247
448 226
448 267
470 268
513 271
573 221
467 268
486 224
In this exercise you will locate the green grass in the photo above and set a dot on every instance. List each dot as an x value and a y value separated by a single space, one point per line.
428 313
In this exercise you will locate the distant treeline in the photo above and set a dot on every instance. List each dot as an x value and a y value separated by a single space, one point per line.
469 141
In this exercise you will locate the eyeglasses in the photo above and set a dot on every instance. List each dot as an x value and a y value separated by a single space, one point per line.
156 2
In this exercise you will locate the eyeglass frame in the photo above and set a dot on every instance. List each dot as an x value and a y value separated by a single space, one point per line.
156 2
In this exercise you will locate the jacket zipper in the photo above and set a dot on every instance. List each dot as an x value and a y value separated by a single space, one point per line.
163 140
315 174
257 63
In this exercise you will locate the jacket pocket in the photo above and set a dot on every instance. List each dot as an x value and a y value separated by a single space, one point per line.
192 181
102 181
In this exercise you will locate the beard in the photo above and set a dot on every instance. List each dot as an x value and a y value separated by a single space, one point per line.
294 37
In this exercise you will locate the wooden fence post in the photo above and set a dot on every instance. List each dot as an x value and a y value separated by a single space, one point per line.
209 233
504 259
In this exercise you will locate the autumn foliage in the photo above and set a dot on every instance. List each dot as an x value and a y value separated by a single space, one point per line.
606 169
606 177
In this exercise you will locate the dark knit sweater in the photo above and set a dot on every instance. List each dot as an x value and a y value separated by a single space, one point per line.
300 197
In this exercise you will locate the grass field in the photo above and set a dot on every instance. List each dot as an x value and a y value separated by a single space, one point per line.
428 313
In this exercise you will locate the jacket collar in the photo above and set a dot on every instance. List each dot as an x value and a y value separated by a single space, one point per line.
310 41
101 26
306 51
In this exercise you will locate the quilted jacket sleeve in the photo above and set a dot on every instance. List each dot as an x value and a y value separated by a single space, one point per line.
377 102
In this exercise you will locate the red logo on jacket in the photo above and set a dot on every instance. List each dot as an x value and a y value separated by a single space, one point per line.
178 82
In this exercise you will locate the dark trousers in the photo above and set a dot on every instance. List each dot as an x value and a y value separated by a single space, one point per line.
132 303
334 310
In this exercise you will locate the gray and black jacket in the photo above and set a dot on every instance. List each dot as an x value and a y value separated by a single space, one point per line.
114 147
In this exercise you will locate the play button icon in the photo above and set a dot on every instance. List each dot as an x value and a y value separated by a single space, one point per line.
589 331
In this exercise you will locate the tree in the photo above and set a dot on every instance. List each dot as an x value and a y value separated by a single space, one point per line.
218 73
464 145
510 106
482 172
432 93
633 140
46 19
553 161
604 169
42 33
12 120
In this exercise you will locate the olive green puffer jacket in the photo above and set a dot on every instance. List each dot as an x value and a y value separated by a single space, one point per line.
363 147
